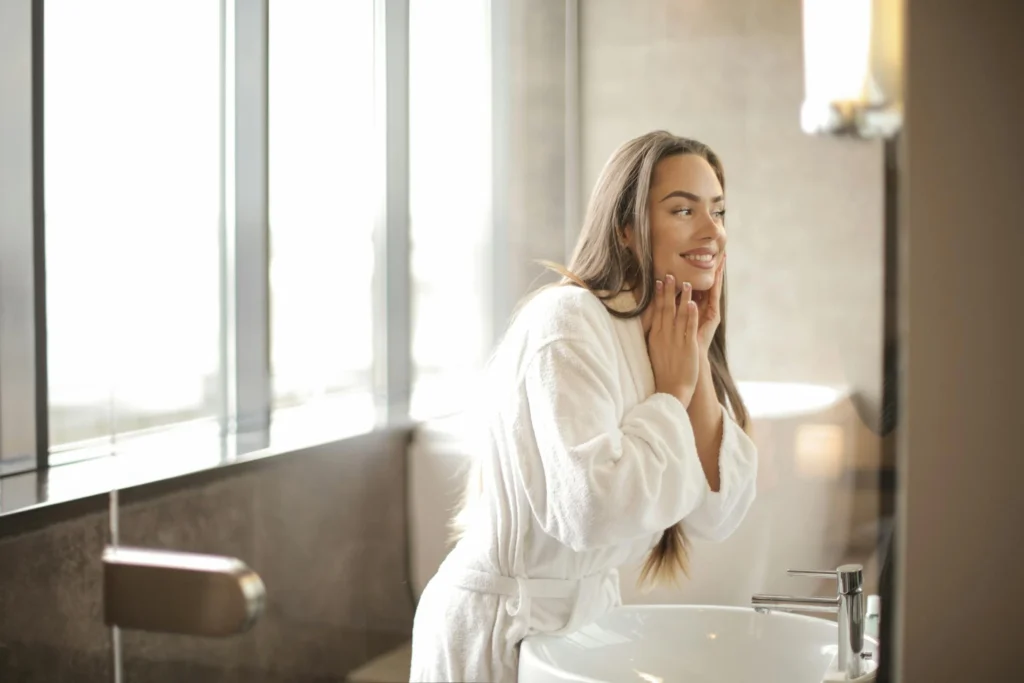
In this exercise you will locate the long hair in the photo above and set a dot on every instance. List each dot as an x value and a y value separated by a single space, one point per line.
604 264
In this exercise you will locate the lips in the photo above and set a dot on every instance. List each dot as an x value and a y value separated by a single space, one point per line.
700 258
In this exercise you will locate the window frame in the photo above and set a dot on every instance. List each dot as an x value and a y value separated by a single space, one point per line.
246 393
24 404
246 419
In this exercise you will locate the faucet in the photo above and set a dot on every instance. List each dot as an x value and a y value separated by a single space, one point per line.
848 603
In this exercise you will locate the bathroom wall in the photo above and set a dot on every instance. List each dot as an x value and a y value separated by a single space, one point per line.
324 528
533 113
805 214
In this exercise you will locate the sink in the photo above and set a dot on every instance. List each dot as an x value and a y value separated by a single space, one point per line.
685 644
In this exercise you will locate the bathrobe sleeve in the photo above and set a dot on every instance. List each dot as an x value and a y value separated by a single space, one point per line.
721 512
593 479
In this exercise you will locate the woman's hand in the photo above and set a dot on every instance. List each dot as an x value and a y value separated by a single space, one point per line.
672 342
709 304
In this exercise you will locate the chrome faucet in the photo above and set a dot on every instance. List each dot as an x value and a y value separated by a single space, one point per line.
848 603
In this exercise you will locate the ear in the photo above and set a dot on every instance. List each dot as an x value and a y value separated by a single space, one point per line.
627 237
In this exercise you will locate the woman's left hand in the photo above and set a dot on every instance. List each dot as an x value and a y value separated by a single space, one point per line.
710 309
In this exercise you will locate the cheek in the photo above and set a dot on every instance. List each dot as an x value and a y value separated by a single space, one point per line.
659 256
661 265
665 243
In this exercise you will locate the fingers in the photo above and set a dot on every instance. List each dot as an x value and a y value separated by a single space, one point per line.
691 322
659 304
668 310
683 301
716 289
684 317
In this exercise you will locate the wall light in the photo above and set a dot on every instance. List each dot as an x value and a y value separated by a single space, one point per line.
820 451
853 63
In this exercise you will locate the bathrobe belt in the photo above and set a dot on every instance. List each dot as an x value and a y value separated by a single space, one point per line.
584 591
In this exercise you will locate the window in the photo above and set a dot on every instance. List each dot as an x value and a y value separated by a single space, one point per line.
450 199
132 173
322 199
219 250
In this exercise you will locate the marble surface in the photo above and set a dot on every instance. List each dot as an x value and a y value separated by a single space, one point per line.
326 532
77 474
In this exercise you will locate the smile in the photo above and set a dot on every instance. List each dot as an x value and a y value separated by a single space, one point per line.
702 261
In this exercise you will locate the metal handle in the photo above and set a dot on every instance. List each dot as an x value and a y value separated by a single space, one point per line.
787 603
175 592
818 574
849 576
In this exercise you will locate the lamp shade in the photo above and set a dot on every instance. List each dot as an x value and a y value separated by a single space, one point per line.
853 61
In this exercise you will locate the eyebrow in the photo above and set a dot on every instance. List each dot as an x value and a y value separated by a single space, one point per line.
690 196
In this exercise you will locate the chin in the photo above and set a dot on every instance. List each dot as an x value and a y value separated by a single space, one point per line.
701 281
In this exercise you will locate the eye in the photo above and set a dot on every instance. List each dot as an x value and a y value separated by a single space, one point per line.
684 211
720 214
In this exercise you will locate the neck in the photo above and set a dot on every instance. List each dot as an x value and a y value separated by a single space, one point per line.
647 315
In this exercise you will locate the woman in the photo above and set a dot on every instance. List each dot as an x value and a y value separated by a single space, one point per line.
607 436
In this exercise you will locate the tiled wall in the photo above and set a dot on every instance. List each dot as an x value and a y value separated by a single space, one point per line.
805 214
325 530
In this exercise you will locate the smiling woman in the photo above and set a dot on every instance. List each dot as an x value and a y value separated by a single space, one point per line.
688 221
611 429
689 224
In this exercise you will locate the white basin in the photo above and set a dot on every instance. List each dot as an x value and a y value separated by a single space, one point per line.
685 644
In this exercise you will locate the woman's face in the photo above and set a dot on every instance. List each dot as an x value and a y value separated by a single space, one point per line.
687 212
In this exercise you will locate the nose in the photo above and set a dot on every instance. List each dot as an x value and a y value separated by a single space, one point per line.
710 229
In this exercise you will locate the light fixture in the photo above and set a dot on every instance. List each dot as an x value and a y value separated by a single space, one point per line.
820 451
853 61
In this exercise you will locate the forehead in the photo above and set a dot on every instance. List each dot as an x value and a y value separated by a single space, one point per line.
687 172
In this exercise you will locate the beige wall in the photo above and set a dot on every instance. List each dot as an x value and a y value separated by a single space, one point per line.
535 133
805 222
962 468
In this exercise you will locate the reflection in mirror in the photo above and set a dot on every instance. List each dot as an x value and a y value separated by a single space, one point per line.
811 347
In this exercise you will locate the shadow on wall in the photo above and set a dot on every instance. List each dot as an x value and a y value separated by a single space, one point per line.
817 505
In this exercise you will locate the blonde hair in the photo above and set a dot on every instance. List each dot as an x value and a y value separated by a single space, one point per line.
604 264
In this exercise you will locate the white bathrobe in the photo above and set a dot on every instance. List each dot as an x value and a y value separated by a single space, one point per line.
583 467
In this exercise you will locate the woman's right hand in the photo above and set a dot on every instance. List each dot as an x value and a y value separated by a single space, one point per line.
672 341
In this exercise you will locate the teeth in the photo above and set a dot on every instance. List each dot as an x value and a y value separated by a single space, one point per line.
699 257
